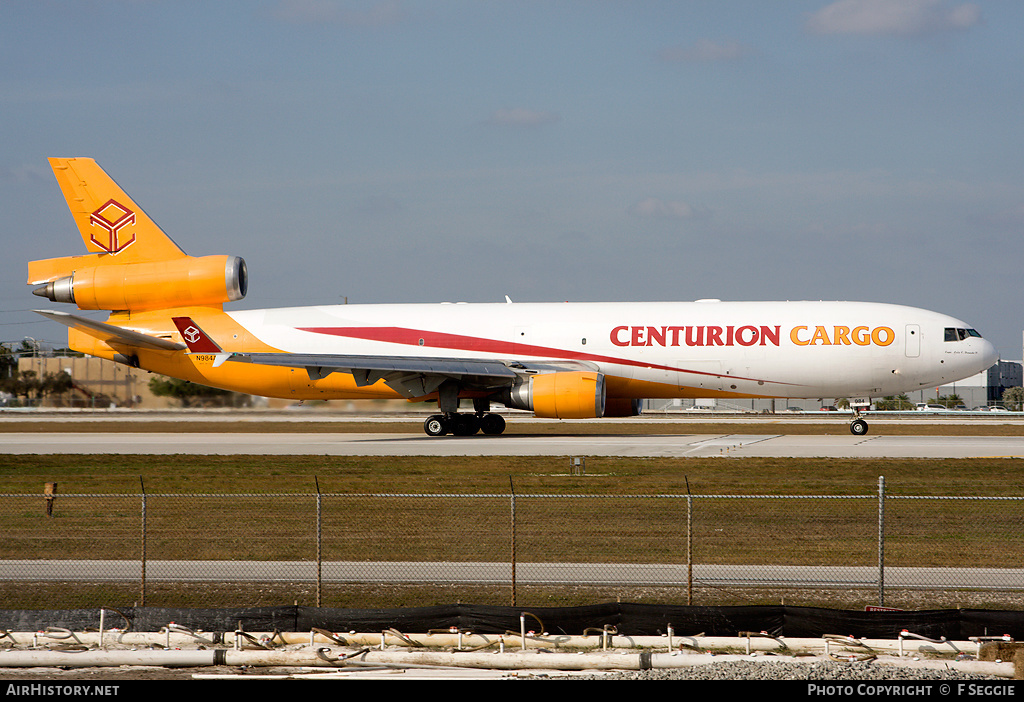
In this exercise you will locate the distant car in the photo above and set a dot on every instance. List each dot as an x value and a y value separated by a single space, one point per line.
830 408
931 408
794 409
998 409
982 408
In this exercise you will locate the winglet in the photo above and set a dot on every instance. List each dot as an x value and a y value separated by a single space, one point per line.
195 338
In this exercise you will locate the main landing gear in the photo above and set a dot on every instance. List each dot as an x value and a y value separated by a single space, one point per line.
462 424
451 421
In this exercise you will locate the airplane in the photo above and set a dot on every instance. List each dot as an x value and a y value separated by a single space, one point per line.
557 360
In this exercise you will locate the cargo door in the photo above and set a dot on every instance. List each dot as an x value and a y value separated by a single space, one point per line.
912 343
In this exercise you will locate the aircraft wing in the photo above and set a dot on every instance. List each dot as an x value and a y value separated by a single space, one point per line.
110 334
411 376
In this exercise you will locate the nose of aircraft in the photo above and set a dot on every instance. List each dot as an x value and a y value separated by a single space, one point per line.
988 354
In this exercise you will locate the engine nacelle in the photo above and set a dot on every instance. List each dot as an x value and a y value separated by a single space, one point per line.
148 285
568 395
623 407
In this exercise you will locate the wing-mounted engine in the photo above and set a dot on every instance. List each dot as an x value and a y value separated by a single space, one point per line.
623 407
95 284
563 395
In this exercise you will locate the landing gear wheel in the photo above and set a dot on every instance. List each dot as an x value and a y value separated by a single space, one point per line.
435 425
465 424
492 424
858 427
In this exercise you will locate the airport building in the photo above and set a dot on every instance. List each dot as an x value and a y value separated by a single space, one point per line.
96 383
1003 375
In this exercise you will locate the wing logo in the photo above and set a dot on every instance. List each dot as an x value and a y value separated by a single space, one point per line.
195 338
192 335
112 217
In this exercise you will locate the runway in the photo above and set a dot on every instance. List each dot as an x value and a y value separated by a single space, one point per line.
648 445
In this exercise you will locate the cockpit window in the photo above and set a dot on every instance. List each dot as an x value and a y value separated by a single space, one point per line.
954 334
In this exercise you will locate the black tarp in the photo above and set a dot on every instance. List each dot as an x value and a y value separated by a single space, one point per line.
627 619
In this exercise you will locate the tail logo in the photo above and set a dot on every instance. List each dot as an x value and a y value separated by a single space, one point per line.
112 217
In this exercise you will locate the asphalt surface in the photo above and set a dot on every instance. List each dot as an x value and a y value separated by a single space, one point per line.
647 445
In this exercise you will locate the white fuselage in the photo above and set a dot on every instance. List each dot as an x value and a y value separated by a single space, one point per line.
661 349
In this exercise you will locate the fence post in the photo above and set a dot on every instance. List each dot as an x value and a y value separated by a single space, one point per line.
512 507
142 581
689 547
881 541
319 544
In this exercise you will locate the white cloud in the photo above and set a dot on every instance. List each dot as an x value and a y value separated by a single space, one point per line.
893 17
705 51
521 117
660 209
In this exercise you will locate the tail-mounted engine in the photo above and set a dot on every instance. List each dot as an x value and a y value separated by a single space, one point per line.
180 282
568 395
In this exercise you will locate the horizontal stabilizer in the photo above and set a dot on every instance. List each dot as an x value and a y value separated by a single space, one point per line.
111 334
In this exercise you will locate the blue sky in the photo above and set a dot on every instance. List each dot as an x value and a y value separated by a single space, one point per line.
402 151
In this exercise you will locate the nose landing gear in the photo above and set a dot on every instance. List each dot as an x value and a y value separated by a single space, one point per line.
858 427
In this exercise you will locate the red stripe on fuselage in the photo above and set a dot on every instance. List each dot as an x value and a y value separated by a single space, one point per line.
507 349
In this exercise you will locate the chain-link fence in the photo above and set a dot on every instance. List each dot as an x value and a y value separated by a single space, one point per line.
359 550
